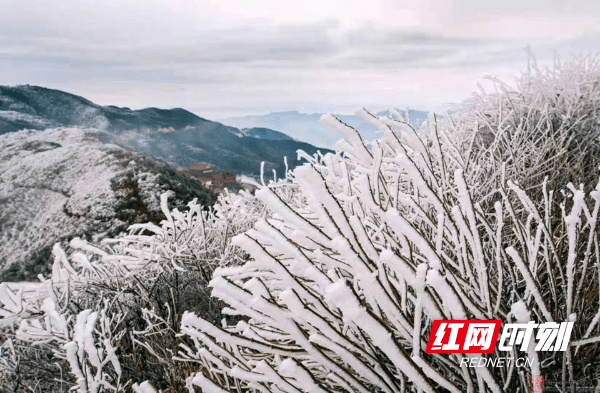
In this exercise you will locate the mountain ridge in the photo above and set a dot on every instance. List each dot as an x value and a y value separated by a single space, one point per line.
176 135
307 126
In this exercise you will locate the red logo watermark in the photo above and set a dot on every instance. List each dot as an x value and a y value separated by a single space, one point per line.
481 336
454 336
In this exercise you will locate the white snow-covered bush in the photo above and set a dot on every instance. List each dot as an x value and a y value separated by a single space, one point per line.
108 316
546 124
48 318
346 278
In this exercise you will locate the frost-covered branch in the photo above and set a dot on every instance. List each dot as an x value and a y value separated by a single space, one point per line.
345 280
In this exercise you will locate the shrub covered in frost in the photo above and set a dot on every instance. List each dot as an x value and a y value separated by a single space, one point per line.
546 124
345 280
109 315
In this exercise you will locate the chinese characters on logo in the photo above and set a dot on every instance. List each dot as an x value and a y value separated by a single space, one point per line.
454 336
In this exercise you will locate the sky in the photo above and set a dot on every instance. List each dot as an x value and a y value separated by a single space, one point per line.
231 58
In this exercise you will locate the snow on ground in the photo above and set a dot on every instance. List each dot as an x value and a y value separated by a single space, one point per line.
24 117
61 183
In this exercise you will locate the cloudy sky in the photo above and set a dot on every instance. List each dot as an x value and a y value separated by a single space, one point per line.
222 58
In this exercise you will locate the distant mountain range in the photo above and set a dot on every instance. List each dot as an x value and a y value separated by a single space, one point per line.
306 126
173 135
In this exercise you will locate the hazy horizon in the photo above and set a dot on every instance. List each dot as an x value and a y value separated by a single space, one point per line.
249 58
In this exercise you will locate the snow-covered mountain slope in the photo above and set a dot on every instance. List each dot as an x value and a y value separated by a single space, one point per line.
64 183
174 135
306 126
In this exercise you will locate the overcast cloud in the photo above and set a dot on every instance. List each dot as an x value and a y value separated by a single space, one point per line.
223 58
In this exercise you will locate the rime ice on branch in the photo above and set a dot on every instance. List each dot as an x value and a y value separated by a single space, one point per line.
344 282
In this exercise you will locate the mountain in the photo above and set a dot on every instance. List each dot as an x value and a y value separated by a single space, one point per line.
173 135
63 183
265 133
35 107
306 126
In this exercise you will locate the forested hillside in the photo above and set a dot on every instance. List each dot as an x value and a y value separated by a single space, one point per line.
63 183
